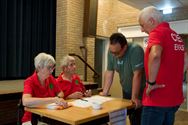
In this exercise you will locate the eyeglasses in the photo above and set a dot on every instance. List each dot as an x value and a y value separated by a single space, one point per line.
117 53
51 68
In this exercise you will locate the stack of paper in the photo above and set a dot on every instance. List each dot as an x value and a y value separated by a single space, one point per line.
88 101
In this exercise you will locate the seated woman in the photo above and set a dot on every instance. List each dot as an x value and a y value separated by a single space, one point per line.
41 87
69 81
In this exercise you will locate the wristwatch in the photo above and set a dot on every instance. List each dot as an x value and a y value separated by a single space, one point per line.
151 83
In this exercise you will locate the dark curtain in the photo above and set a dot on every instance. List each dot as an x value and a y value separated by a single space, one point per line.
27 27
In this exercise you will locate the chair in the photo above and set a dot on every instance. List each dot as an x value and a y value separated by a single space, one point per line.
20 112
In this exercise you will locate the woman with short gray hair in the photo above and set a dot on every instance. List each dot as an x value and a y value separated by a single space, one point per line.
41 88
69 82
43 60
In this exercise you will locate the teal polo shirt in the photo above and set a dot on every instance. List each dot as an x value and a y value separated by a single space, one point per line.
132 60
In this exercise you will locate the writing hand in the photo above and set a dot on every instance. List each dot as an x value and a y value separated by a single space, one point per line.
88 93
61 102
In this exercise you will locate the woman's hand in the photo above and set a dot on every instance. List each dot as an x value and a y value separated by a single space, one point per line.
61 102
88 93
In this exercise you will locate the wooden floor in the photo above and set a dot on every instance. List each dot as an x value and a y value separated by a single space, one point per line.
181 118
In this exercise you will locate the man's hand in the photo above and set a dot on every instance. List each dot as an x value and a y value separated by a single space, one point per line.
137 103
102 94
153 87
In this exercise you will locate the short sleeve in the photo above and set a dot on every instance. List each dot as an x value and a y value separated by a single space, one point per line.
110 65
65 86
156 38
28 86
137 58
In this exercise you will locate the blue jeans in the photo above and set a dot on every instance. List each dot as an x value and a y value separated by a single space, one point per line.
158 115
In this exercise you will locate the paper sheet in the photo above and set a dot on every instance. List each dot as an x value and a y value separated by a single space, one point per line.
88 101
54 106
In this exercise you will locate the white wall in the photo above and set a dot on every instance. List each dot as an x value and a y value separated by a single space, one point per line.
181 27
116 90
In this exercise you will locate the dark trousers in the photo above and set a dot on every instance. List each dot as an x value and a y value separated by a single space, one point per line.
158 115
134 114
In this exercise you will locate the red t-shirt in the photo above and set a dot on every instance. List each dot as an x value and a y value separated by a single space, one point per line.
171 68
32 86
69 87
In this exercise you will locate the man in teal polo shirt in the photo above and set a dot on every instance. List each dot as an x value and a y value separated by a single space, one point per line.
126 59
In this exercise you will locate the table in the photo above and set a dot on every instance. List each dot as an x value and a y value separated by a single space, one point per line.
77 115
10 94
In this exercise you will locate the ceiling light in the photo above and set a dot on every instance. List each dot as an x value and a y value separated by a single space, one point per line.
167 11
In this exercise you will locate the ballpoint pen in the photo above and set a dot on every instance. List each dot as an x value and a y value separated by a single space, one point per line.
84 100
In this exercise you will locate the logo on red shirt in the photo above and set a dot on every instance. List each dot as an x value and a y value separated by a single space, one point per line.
51 86
178 42
76 82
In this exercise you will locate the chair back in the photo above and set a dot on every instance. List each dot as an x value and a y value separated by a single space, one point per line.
20 112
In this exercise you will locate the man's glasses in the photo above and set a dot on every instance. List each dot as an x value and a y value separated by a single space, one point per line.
117 53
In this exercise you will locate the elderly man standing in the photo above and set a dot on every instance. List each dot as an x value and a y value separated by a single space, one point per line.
163 61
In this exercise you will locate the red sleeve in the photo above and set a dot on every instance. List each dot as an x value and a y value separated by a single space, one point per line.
65 86
79 86
28 86
156 37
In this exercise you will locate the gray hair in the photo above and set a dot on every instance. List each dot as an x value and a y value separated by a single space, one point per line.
151 11
42 60
66 59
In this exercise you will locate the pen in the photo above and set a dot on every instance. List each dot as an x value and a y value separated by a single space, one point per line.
84 100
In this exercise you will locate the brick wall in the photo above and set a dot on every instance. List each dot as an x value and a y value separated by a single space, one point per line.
90 44
69 35
112 14
69 28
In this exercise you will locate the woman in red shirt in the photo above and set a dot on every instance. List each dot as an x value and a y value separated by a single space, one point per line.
41 87
69 81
